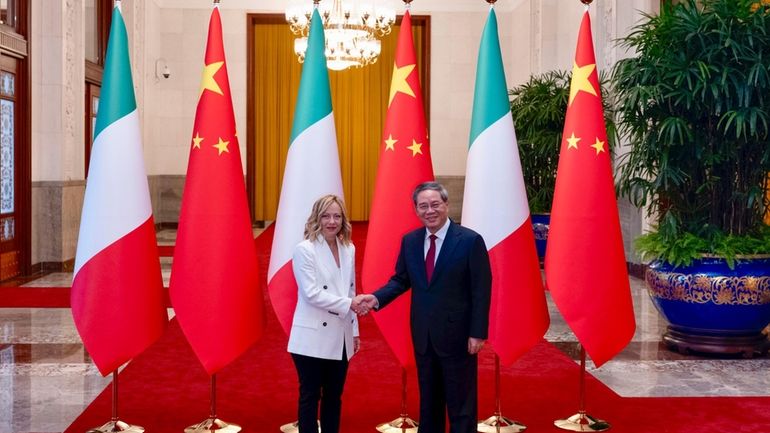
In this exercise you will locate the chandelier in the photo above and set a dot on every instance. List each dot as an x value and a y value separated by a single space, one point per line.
352 31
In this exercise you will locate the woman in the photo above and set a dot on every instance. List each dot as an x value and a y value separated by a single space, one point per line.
324 332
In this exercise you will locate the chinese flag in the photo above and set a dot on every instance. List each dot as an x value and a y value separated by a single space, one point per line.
585 267
214 275
404 163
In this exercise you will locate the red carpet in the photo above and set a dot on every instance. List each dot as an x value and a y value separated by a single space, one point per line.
34 297
165 389
40 297
52 297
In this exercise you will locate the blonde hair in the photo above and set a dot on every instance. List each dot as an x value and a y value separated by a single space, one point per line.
313 224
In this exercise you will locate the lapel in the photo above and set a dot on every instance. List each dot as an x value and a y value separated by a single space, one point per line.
345 262
416 251
450 242
326 261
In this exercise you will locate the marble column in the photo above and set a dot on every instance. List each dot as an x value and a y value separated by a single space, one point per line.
58 146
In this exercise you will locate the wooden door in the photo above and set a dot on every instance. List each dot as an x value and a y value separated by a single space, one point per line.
10 245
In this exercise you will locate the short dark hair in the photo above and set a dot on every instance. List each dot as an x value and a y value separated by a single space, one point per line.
434 186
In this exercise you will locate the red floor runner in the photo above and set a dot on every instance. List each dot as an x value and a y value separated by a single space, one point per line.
34 297
165 389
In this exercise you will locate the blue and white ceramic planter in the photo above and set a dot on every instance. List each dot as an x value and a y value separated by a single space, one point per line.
708 304
540 225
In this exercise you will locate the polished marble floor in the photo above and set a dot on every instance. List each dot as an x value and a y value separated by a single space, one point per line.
47 378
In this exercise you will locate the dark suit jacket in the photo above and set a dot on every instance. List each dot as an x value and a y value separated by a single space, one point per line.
454 305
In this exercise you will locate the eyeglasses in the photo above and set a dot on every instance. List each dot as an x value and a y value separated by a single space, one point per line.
423 207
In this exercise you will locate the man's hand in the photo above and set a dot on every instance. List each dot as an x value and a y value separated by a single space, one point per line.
363 303
475 345
358 306
356 344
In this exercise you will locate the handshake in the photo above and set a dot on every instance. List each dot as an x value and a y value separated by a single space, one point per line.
363 303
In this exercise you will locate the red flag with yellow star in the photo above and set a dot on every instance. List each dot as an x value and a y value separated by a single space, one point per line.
585 267
404 163
214 287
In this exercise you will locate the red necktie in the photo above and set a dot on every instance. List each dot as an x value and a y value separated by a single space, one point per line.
430 258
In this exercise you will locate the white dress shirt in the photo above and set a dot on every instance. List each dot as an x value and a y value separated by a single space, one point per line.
440 236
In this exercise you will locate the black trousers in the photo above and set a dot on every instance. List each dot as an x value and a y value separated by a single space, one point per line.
448 385
320 380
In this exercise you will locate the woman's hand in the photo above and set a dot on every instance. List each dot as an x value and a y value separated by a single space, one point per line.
356 344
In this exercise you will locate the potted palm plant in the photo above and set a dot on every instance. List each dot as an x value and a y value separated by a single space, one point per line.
538 108
694 102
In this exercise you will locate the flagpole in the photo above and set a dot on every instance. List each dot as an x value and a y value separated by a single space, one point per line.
213 424
582 421
497 423
115 425
403 423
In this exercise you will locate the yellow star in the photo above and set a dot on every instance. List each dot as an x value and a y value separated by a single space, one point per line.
208 81
222 146
398 82
415 148
572 142
197 141
580 81
599 146
390 142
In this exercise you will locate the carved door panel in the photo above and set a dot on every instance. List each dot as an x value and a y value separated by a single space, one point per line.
9 149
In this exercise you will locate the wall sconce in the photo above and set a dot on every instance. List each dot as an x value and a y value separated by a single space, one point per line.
161 69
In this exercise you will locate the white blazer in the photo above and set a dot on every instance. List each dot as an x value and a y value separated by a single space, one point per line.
323 320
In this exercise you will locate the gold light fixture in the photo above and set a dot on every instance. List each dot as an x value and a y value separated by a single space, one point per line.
352 29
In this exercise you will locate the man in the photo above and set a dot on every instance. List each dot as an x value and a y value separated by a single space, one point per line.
447 268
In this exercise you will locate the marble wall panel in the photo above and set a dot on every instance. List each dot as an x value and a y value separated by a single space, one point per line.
56 208
166 195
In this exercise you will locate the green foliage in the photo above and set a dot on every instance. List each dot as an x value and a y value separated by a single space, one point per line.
539 107
695 104
681 248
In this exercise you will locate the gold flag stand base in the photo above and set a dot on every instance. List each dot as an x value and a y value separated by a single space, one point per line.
500 424
402 424
497 423
212 425
292 427
582 422
117 426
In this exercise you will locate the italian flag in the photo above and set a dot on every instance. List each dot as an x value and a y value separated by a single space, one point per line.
495 205
117 290
312 170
